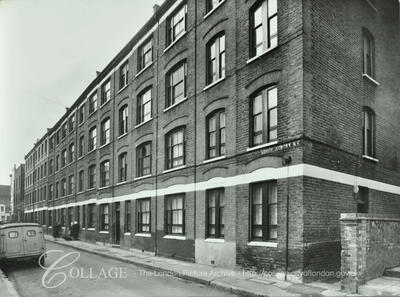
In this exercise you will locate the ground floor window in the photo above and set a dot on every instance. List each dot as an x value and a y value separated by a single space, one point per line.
91 208
264 211
175 214
104 217
215 213
128 216
143 215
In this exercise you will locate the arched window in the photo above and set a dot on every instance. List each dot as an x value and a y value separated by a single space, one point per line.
175 148
264 116
123 120
215 134
216 58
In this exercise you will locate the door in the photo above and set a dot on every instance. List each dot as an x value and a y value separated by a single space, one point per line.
117 232
33 240
13 242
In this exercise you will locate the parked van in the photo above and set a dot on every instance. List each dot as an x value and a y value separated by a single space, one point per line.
22 241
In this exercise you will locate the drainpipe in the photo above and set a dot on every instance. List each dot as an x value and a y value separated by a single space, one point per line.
286 162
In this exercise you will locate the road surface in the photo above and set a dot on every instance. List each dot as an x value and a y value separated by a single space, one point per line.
89 275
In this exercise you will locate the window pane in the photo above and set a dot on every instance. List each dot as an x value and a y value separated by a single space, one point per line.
272 7
272 97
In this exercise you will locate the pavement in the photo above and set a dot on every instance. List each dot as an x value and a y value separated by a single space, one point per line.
6 287
233 281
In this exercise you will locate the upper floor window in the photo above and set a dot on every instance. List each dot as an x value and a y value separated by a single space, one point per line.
71 184
81 146
144 106
93 103
106 92
175 214
123 120
63 187
63 158
215 138
264 27
51 192
176 84
122 167
123 75
176 24
92 177
105 132
57 189
71 123
143 159
105 174
264 211
211 4
264 116
145 54
368 132
57 162
92 139
71 152
215 213
51 166
216 59
368 54
81 114
175 148
81 181
64 129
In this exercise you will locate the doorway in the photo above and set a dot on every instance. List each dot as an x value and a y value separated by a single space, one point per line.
117 231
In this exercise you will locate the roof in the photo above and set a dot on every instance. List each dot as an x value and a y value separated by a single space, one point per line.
13 225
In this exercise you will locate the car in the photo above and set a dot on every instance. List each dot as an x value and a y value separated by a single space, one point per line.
22 241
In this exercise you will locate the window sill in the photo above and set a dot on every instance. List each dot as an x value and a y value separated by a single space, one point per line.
174 169
122 136
122 183
214 83
81 124
250 149
91 229
175 104
144 69
92 113
93 150
176 237
173 43
260 55
214 9
370 158
371 5
105 103
123 88
141 124
263 243
214 159
104 188
143 235
215 240
142 177
370 79
127 234
104 145
104 232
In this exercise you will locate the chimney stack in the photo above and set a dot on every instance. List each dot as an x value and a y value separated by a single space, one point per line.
156 7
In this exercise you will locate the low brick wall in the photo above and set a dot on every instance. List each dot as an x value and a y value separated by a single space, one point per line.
370 244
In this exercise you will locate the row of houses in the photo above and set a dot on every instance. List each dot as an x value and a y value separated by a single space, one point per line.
231 133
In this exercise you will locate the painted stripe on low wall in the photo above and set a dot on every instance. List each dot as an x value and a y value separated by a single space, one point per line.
247 178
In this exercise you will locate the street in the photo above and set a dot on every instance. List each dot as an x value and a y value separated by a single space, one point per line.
76 274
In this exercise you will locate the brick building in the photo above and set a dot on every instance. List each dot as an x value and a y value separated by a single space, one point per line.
5 202
233 133
18 192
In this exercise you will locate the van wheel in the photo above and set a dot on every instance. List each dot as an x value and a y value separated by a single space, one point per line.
41 261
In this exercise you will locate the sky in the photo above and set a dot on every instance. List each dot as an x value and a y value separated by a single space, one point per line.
50 51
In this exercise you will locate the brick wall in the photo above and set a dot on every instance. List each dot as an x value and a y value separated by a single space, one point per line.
370 244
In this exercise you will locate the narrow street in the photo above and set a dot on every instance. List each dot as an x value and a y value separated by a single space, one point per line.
95 276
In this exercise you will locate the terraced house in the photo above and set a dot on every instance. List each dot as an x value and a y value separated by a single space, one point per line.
233 133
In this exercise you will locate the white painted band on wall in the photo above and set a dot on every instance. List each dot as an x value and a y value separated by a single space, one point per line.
258 175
